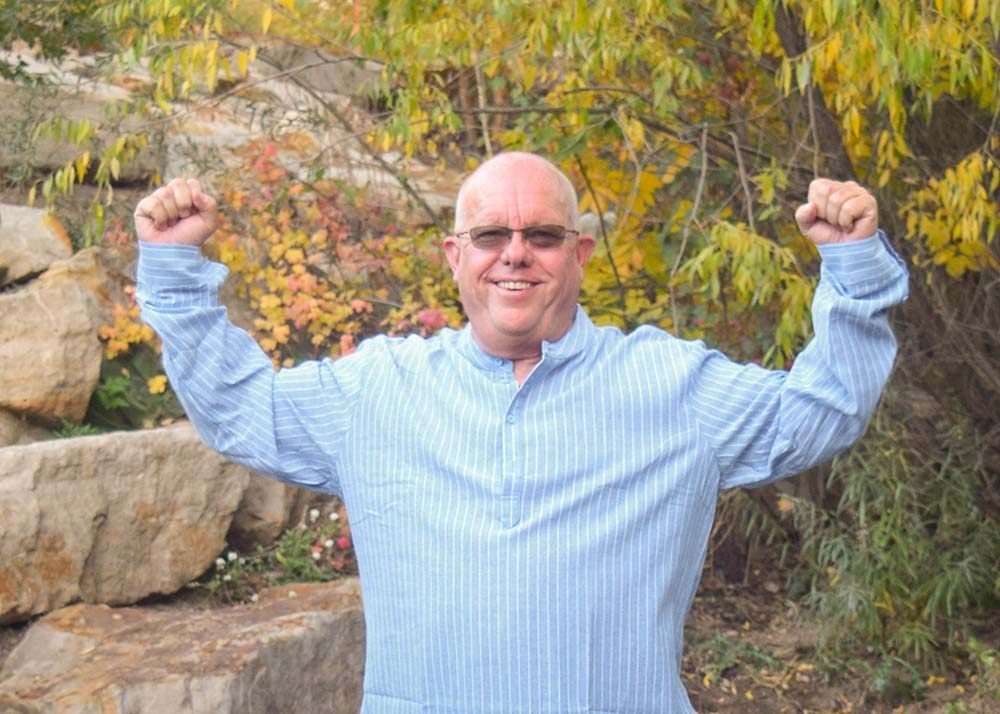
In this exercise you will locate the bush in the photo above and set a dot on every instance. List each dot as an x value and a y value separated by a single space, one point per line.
907 561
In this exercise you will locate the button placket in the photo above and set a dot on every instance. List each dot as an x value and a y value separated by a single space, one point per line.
512 468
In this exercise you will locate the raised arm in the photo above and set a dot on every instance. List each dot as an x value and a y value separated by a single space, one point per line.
767 424
290 424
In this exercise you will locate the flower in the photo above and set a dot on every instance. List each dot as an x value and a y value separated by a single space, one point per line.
220 563
433 319
334 516
254 598
328 543
313 514
226 578
157 385
315 555
231 555
343 542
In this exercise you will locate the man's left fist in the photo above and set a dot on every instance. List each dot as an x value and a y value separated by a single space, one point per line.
837 212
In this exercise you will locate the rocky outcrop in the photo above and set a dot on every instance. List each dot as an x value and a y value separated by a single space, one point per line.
30 241
15 429
299 649
110 519
50 355
23 108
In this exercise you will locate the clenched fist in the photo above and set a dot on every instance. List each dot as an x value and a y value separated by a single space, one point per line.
179 212
837 212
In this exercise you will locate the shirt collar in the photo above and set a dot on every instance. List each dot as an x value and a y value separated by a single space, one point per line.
576 340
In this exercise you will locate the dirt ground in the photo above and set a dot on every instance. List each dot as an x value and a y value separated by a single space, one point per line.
749 649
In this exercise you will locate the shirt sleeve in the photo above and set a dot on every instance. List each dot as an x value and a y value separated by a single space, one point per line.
290 423
766 424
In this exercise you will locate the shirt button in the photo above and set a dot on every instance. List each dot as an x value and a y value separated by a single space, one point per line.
510 418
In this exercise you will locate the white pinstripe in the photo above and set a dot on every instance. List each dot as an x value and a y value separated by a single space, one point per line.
533 548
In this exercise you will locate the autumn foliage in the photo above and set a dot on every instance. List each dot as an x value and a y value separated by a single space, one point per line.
320 270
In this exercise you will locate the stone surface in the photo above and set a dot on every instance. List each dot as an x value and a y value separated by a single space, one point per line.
30 242
110 519
15 429
269 508
50 355
283 654
24 107
319 70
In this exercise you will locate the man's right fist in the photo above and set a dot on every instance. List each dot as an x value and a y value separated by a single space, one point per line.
176 213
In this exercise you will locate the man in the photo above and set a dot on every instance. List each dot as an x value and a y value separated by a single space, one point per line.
531 496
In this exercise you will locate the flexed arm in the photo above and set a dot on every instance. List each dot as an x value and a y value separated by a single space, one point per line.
290 424
766 424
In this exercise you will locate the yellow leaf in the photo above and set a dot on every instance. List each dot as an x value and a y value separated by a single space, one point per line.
265 20
957 266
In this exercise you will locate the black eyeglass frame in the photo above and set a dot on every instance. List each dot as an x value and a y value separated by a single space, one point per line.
540 236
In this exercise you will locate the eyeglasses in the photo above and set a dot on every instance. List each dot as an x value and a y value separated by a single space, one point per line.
494 237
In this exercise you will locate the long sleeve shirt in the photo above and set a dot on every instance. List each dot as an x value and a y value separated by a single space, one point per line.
533 547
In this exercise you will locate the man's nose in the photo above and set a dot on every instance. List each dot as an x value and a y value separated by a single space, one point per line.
517 250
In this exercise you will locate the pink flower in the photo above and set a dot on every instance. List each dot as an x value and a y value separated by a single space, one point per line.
432 319
343 542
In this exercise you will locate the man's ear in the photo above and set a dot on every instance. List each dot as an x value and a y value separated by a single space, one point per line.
452 251
585 245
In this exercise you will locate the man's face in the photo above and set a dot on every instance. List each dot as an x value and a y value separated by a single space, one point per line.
517 295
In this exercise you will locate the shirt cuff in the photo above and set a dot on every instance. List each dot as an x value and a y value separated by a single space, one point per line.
166 266
862 265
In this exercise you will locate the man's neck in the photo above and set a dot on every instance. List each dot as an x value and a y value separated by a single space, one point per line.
524 356
524 366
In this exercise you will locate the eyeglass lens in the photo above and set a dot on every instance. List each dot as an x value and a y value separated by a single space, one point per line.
499 236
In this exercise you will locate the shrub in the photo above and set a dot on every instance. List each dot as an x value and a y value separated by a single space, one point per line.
907 560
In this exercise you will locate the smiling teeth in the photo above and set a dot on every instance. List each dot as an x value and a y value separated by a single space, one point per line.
513 285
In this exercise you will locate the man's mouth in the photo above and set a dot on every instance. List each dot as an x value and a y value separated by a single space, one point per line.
514 284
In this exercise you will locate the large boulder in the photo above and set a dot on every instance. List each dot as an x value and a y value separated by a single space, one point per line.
24 108
50 355
299 649
30 241
110 519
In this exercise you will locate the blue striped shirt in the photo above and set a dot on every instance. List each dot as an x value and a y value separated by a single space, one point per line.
533 547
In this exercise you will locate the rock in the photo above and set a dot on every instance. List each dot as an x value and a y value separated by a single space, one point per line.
203 143
269 508
25 107
284 654
320 71
30 241
50 355
110 519
15 429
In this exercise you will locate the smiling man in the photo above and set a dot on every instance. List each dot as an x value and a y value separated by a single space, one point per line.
518 288
530 496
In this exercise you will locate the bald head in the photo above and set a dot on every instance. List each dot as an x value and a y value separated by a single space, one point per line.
507 166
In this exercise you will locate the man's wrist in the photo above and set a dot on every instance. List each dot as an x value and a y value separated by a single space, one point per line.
863 262
176 265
